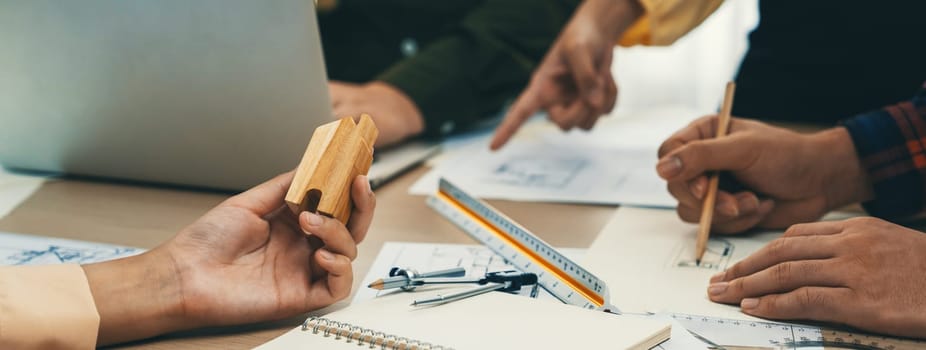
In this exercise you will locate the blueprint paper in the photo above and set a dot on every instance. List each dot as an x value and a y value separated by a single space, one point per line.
17 249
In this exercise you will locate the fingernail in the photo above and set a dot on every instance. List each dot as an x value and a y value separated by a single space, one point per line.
326 254
669 167
727 208
717 288
749 303
697 189
313 219
748 204
718 277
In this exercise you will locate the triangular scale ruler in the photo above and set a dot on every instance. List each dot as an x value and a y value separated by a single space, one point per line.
560 276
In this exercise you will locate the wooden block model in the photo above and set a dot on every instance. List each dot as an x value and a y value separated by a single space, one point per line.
337 153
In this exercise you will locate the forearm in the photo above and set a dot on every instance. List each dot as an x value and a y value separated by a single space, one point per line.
443 87
137 297
46 307
480 62
845 180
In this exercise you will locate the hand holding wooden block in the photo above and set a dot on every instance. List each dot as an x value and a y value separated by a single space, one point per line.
337 153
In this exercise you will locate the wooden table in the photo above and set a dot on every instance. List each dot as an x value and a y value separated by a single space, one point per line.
143 216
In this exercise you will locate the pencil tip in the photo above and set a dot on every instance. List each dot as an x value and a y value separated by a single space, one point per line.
377 284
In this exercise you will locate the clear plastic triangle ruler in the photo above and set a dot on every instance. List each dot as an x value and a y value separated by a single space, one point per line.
732 334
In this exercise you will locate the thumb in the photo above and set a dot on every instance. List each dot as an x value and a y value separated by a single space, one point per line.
264 198
698 157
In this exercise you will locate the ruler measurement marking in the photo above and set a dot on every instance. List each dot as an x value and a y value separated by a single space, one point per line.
598 300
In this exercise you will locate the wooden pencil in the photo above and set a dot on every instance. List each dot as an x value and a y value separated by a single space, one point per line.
707 210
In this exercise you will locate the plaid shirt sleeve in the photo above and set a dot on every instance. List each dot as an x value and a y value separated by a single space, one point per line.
891 143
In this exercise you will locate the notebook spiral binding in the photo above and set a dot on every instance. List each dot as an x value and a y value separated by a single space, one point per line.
372 338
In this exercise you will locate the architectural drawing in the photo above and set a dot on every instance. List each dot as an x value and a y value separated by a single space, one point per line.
716 257
553 172
16 249
546 172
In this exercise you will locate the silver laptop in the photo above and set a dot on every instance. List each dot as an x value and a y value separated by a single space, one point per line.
210 93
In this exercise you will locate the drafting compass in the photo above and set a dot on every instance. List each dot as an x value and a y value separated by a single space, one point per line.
408 279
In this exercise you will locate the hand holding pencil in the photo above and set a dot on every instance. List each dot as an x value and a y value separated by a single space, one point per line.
783 177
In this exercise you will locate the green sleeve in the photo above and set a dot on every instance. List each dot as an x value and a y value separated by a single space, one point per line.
480 63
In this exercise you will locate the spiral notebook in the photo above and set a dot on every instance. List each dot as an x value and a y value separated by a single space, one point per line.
489 321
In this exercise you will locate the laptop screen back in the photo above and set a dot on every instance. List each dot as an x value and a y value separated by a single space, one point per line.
213 93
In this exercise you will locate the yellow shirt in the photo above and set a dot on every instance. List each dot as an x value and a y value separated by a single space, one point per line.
46 307
664 21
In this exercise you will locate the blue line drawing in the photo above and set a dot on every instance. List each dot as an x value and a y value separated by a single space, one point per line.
55 254
549 172
717 256
18 249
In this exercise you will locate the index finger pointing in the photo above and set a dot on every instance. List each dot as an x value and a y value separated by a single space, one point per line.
526 105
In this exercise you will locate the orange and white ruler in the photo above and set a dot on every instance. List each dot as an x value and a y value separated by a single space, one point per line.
560 276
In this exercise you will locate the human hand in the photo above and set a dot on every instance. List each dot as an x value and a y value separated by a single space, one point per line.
788 177
573 82
250 259
863 272
394 113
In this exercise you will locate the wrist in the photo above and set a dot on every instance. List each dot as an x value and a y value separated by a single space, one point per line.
845 180
613 17
137 297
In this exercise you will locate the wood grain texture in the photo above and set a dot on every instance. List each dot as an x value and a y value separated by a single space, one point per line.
338 152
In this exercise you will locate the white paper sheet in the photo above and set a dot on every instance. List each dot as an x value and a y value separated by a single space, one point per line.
15 188
18 249
613 164
645 256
